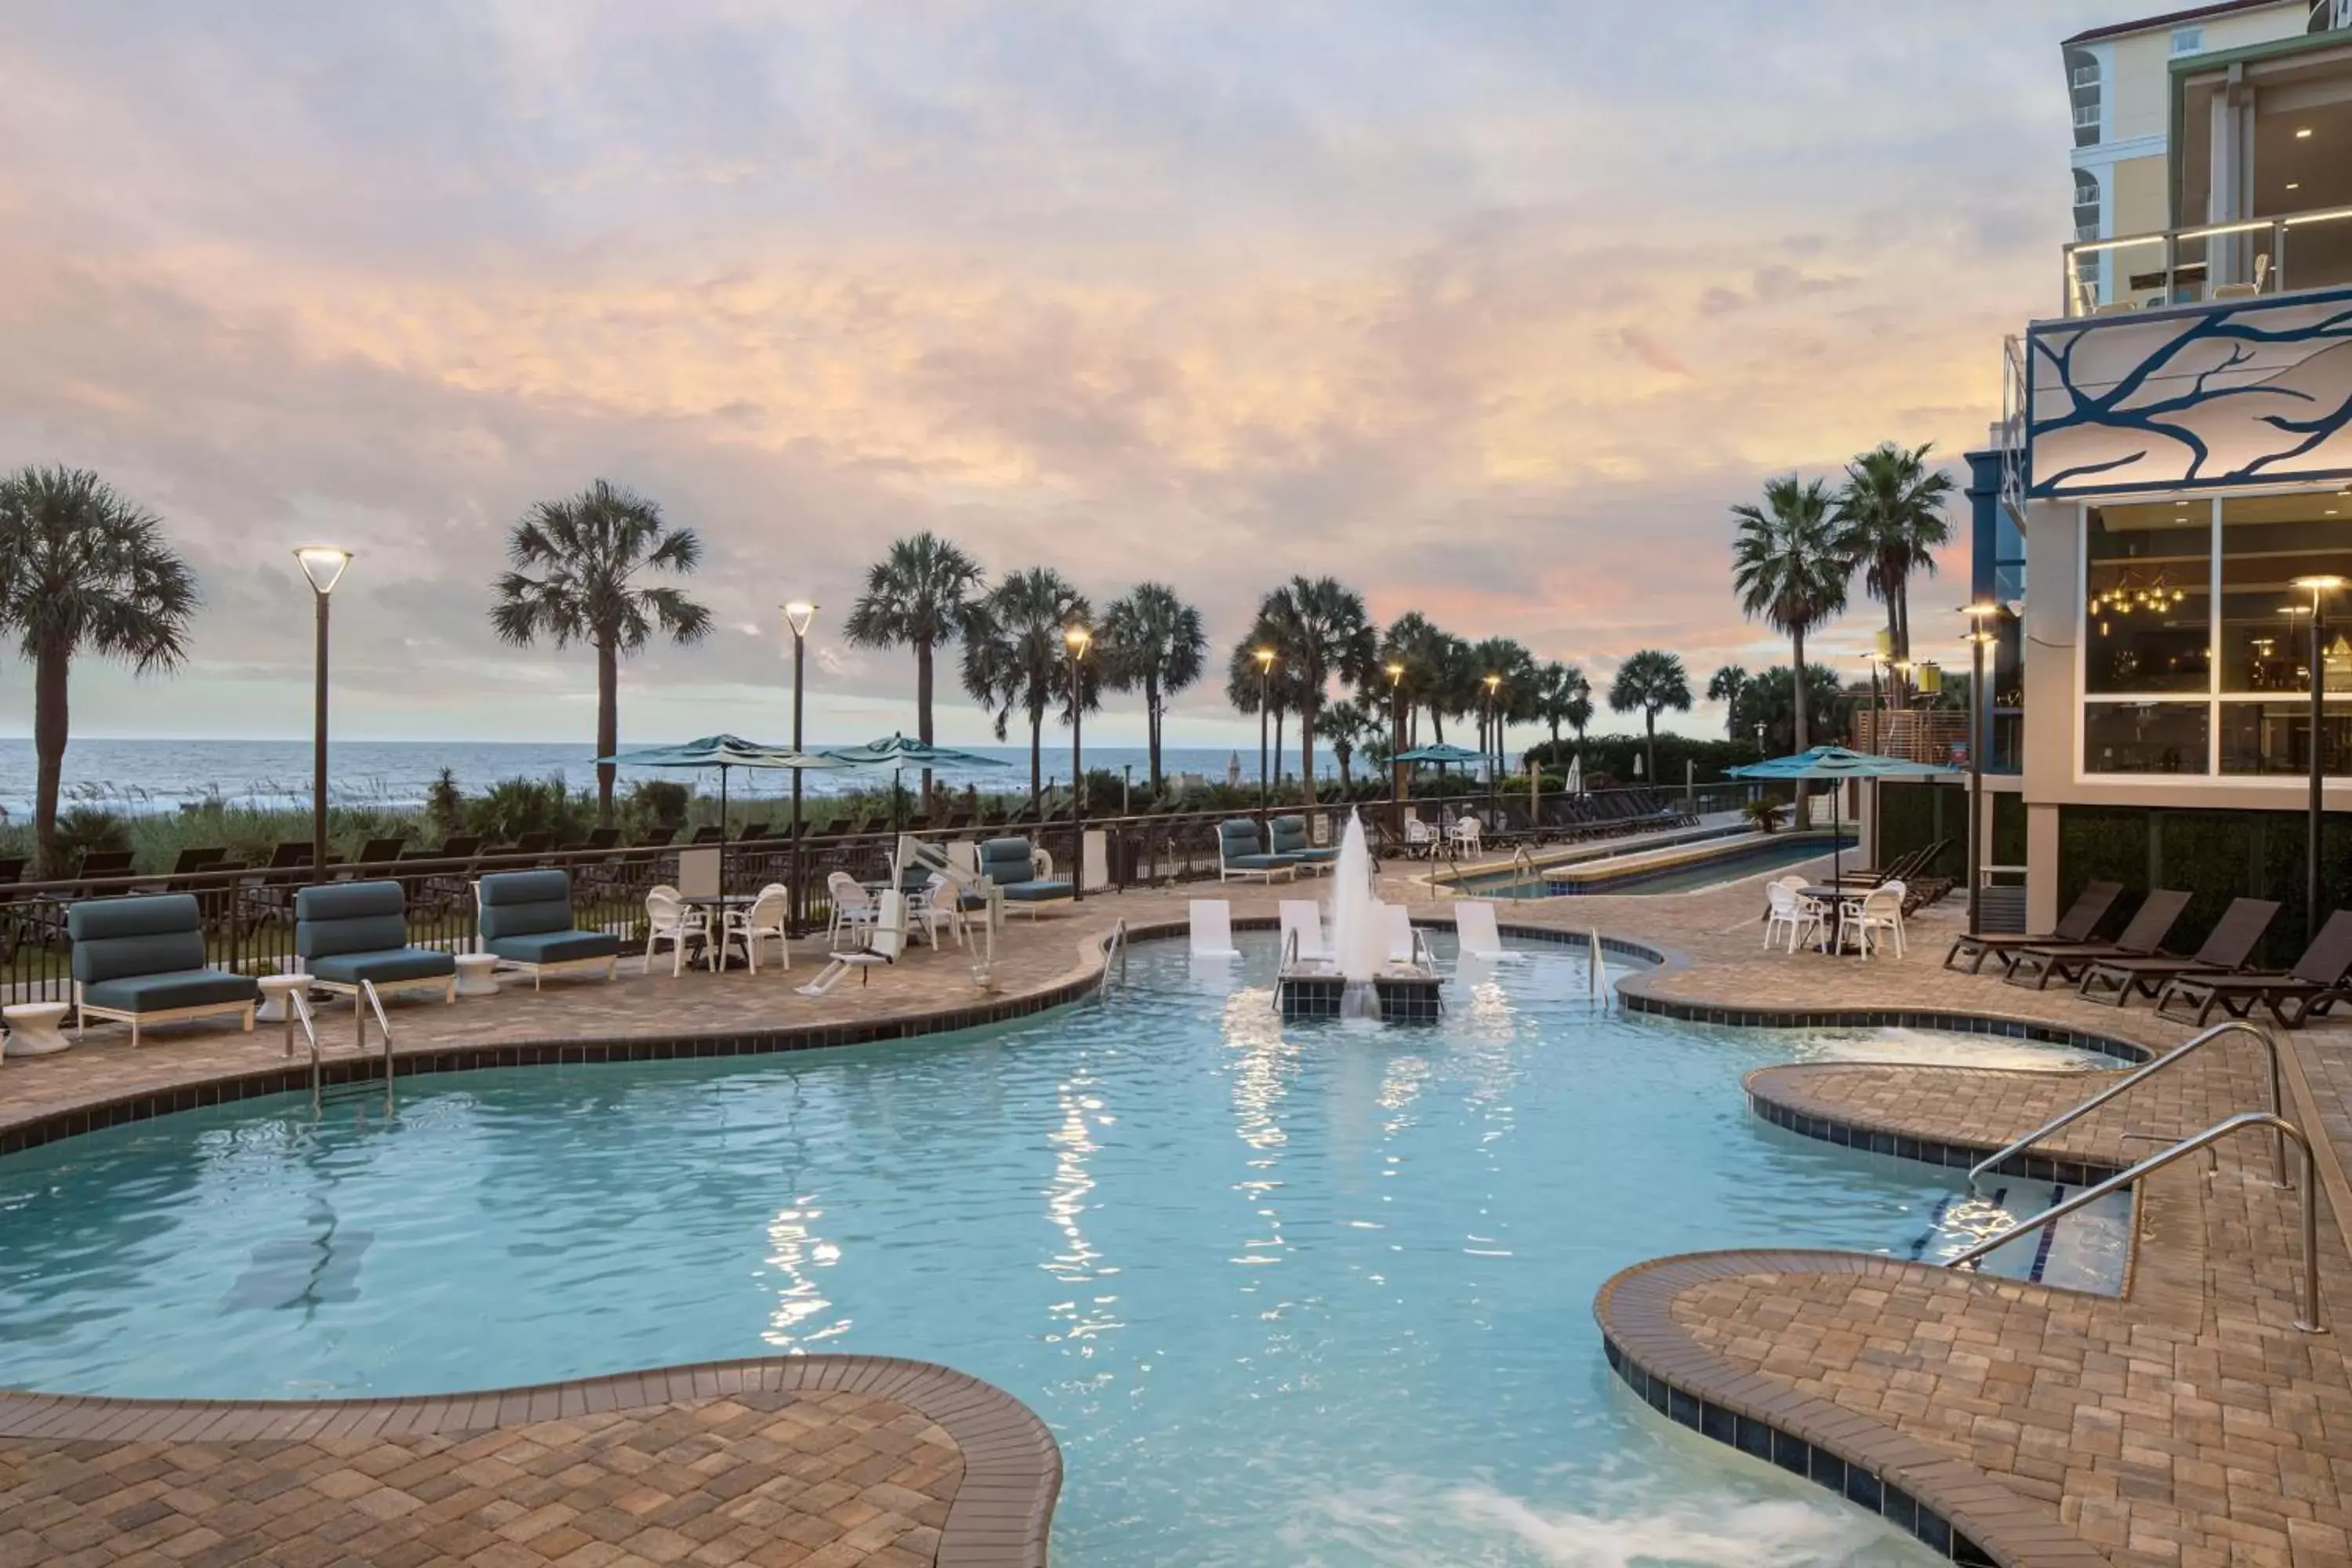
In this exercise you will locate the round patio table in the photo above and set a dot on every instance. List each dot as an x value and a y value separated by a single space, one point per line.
714 950
1838 899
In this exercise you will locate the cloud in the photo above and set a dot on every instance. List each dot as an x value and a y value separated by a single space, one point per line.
1490 313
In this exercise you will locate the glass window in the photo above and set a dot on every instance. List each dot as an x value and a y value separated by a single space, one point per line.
2144 737
2188 40
2267 542
2276 737
2148 598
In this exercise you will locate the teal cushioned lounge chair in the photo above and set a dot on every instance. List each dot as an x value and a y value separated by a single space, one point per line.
1242 854
1023 874
141 960
1290 841
526 921
346 932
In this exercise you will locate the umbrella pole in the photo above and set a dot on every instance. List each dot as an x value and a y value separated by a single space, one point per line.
723 830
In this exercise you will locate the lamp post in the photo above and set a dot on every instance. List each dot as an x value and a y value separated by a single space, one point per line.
322 565
1077 638
798 616
1978 637
2319 587
1265 656
1396 744
1493 684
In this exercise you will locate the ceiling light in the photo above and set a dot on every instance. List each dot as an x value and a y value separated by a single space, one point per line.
2295 185
2304 134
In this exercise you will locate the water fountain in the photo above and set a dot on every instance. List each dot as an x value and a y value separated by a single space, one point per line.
1360 978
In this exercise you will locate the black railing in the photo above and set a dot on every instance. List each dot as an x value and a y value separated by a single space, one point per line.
249 912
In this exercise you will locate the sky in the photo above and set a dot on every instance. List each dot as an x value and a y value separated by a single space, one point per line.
1490 309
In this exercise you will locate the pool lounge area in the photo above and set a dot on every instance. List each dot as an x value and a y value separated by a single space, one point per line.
1197 1233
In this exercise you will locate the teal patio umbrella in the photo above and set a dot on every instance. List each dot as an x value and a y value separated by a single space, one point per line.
898 753
725 753
1442 753
1837 763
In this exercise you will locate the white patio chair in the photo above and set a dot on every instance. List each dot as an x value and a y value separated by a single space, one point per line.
1302 923
853 911
1787 910
762 921
1873 921
935 905
670 918
1465 832
1420 837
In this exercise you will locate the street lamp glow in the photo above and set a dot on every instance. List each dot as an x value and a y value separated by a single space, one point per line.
1265 656
2318 584
1396 674
1493 681
799 615
323 565
1078 638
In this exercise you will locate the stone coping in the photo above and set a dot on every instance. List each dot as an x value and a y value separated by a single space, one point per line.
1778 1095
1969 1515
1000 1517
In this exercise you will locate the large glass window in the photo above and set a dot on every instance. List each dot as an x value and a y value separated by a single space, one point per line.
2276 737
2148 598
2268 541
2144 737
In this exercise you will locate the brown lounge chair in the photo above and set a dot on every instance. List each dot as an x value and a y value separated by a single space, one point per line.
2227 948
2090 908
2041 963
2313 985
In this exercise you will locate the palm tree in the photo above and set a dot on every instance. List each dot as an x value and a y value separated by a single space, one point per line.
1512 696
1729 686
1891 514
1650 681
1792 569
1424 651
1350 725
1015 657
915 597
1559 690
1317 629
82 569
1243 681
1154 641
588 549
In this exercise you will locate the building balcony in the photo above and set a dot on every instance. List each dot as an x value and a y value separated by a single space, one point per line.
1938 736
2208 263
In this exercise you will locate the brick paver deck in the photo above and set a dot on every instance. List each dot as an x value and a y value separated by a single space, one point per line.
2189 1423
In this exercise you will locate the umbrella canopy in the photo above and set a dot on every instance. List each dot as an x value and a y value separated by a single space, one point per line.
725 752
1837 763
898 753
1443 751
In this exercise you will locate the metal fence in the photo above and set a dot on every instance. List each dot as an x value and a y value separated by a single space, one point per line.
249 912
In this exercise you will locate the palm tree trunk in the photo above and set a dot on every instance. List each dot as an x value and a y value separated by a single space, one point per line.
1896 650
1343 755
1151 724
1307 754
1274 760
1797 696
1649 742
49 731
608 724
1036 754
1436 726
923 707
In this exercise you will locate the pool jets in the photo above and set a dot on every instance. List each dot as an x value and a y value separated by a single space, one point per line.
1372 967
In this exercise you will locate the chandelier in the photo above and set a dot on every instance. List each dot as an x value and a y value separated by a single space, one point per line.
2132 594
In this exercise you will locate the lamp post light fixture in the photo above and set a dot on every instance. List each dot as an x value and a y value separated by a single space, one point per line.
1078 639
1493 684
799 616
1397 770
322 565
2318 588
1978 613
1265 656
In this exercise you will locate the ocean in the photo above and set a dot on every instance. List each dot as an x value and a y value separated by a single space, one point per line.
146 775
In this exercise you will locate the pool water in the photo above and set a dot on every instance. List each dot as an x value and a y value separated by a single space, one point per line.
1308 1296
1728 866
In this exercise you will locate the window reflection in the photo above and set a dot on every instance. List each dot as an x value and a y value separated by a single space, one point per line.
2276 737
2144 737
2148 597
2267 542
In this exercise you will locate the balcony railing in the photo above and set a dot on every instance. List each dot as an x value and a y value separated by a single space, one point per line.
2085 116
2191 266
2085 76
1939 736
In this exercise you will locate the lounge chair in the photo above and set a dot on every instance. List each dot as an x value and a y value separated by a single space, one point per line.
1242 855
351 933
2042 962
2227 948
2082 917
2310 989
1212 929
1024 876
1302 931
1289 838
381 851
1474 924
526 921
141 960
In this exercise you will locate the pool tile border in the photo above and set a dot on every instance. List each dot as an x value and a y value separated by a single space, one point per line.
1002 1515
1862 1135
1966 1514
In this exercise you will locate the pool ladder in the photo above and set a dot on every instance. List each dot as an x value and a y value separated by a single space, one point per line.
366 1002
1114 946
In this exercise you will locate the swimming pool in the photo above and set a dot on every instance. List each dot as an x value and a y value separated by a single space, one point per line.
1729 865
1306 1296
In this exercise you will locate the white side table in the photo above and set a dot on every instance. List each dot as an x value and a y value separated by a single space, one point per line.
478 974
277 993
33 1027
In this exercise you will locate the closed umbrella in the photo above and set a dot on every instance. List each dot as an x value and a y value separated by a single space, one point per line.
1837 762
1574 782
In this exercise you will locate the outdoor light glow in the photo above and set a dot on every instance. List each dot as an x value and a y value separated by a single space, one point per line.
1396 672
1493 681
1266 659
1077 637
323 565
2303 133
798 615
2318 584
1980 609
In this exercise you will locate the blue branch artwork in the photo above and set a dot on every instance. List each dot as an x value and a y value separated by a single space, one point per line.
2112 408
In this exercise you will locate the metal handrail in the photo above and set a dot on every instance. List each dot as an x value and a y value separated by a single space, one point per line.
2281 1128
383 1027
297 1007
1114 946
2234 1025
